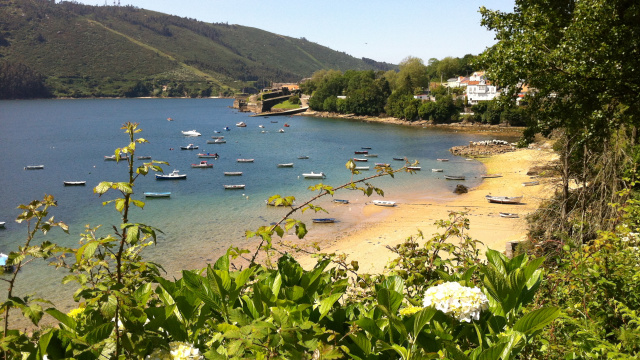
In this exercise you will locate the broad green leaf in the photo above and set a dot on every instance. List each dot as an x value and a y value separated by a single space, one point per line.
327 303
536 319
422 318
362 341
100 333
63 318
493 353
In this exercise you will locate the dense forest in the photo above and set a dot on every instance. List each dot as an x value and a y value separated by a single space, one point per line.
570 292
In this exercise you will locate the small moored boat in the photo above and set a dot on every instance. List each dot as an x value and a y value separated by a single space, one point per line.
208 155
454 177
74 183
360 159
366 148
531 183
3 263
303 157
361 152
384 203
436 170
287 165
2 224
144 157
281 130
157 194
189 147
341 201
217 141
35 167
203 164
191 133
490 176
370 155
324 220
174 175
508 215
399 158
442 159
383 164
416 168
313 175
245 160
504 199
226 128
234 187
232 173
361 168
241 124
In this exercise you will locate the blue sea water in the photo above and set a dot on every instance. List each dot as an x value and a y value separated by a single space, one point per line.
201 219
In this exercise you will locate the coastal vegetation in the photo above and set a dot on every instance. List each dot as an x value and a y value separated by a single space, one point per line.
108 51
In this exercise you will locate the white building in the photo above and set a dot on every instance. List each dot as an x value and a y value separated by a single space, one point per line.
480 91
477 76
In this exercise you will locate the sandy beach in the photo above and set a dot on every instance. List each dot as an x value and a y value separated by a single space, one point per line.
390 226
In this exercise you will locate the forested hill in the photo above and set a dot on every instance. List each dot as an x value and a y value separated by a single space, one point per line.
86 50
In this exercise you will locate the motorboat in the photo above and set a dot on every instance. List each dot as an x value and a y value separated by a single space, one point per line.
313 175
454 177
361 168
508 215
504 199
415 168
286 125
203 164
341 201
383 164
189 147
169 119
245 160
217 141
324 220
436 170
144 157
366 148
157 194
384 203
442 159
360 159
217 137
399 158
3 263
234 187
191 133
34 167
281 130
113 157
361 152
74 183
233 173
370 155
287 165
208 155
261 126
174 175
303 157
241 124
226 128
2 224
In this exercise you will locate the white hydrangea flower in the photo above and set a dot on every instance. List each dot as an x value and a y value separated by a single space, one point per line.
177 351
463 303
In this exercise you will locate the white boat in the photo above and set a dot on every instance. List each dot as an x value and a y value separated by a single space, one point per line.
35 167
531 183
157 194
234 187
191 133
416 168
208 156
3 263
2 224
313 175
383 164
144 157
241 124
169 119
384 203
399 159
189 147
217 141
261 126
436 170
74 183
370 155
113 157
303 157
361 168
232 173
454 177
508 215
504 199
360 159
174 175
281 130
442 159
287 165
203 164
245 160
341 201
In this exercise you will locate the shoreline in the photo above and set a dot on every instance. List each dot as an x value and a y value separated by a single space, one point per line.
380 227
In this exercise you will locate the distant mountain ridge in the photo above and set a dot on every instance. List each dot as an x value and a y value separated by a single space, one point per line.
87 50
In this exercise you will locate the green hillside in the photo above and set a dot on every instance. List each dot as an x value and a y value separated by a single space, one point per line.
106 50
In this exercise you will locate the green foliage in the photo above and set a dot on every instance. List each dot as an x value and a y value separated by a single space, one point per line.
18 81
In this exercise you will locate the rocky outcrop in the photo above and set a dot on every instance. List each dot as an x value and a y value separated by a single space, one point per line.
472 150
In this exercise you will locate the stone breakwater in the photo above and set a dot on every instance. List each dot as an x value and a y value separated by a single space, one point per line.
472 150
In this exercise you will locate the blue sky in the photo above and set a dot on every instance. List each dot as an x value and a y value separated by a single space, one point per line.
382 30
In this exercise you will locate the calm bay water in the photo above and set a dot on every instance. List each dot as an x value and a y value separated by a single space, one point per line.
201 219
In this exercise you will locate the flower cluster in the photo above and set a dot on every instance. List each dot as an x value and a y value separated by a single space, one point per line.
177 351
463 303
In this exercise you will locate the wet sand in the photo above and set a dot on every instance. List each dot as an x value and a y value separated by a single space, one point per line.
381 226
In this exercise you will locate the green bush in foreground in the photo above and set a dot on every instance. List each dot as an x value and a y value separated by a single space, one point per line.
439 300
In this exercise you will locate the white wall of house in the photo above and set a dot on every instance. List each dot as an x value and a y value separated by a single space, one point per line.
481 92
